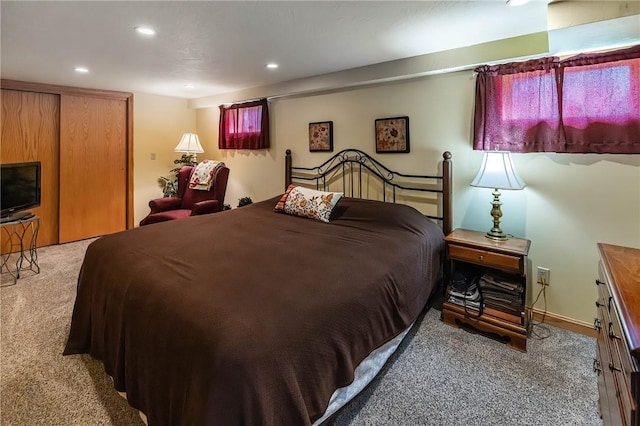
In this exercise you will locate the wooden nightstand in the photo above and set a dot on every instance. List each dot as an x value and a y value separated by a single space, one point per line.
499 269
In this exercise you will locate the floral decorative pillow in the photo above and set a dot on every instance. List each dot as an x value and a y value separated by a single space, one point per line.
305 202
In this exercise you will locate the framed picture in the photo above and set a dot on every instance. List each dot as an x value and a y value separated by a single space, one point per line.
392 134
321 136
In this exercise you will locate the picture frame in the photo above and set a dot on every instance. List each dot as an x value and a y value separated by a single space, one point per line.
321 136
392 135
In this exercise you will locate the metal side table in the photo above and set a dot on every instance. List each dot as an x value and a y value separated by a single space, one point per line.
19 239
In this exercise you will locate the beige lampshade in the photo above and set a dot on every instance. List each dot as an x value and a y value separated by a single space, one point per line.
497 172
189 144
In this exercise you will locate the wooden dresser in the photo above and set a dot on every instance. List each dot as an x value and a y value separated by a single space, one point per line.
618 326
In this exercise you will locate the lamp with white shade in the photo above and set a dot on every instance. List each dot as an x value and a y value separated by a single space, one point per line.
497 172
190 144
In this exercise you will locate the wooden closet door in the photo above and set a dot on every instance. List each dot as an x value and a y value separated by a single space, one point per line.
30 132
93 167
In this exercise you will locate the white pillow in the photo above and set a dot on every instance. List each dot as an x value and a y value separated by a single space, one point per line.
305 202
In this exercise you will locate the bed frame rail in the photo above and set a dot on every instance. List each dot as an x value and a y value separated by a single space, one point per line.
349 166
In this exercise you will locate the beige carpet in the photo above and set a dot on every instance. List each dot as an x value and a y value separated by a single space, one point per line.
38 385
439 376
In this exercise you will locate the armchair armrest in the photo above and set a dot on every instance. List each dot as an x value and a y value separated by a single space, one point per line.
206 207
164 204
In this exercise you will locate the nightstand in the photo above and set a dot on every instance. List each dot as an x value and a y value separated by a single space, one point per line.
497 271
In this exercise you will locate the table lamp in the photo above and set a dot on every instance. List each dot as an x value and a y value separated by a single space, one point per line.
191 145
497 172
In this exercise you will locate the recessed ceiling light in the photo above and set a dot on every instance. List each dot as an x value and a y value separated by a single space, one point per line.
271 65
82 70
148 31
188 86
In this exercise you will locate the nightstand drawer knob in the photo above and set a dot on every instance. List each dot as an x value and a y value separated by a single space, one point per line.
481 257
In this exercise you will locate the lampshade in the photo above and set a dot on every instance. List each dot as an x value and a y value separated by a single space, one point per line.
189 144
497 172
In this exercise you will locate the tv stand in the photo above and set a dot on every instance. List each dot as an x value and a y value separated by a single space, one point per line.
19 237
16 217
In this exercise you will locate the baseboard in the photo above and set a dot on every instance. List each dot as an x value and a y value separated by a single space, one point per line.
566 323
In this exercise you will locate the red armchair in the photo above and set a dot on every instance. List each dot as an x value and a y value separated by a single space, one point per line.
189 202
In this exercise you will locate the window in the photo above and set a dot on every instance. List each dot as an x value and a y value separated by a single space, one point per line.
588 103
244 125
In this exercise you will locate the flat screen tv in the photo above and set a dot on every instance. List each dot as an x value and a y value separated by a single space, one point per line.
19 188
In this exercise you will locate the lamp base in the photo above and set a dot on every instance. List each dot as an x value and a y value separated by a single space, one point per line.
497 235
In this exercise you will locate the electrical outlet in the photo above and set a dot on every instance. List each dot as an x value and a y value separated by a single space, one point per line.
543 275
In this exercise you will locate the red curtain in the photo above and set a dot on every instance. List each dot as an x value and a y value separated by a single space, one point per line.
244 125
587 103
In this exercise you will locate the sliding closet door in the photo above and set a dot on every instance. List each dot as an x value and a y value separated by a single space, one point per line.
93 167
30 132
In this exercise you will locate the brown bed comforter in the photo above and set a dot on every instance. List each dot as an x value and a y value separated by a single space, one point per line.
251 317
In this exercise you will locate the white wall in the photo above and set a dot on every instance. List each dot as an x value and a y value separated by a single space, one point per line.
159 123
571 201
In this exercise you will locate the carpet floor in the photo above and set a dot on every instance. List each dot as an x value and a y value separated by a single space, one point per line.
439 375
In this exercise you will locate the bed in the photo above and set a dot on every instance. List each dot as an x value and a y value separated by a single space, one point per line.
255 317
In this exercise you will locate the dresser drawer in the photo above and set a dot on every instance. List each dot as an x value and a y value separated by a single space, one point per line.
607 390
625 398
615 363
486 258
604 297
616 337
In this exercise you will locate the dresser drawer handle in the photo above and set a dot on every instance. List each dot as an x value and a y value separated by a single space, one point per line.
613 368
598 282
612 335
596 366
597 324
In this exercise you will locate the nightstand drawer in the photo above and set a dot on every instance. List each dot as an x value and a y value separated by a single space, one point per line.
486 258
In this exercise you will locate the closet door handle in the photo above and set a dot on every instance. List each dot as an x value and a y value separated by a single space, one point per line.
598 282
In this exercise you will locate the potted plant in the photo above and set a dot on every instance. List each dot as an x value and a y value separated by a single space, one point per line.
170 184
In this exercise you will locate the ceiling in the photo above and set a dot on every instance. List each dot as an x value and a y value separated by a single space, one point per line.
221 47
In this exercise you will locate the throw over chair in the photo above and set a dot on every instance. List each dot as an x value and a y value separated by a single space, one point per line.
189 202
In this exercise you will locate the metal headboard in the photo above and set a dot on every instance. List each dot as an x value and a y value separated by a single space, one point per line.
349 165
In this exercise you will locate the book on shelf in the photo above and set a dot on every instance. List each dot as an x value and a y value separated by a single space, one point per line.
498 282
